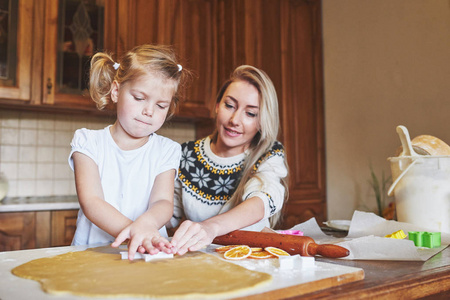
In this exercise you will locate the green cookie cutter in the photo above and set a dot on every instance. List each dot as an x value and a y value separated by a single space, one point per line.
425 239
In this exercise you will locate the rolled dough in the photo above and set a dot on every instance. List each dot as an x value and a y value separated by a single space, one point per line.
100 272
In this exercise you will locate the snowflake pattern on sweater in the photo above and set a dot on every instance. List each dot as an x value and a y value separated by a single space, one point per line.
209 182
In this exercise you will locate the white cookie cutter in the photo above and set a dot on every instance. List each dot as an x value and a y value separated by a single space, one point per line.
147 257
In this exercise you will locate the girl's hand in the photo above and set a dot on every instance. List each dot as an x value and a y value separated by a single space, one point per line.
142 240
192 236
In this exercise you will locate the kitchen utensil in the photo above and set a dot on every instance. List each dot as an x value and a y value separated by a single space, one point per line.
406 151
406 142
147 257
303 245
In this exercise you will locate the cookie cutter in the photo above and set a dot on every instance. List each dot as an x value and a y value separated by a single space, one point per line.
399 234
425 239
147 257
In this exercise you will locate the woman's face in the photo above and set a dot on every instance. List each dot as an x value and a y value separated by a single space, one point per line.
237 118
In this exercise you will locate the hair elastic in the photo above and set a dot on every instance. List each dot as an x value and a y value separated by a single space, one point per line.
180 67
116 66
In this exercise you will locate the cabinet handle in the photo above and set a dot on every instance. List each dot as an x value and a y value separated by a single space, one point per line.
49 86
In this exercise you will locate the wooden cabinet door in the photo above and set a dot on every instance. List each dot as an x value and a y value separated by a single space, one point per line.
196 43
302 111
37 229
187 25
17 231
63 227
16 51
283 38
74 30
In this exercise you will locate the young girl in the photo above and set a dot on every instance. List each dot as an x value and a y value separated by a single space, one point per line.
124 173
237 177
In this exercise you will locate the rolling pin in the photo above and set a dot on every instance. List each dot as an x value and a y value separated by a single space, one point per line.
303 245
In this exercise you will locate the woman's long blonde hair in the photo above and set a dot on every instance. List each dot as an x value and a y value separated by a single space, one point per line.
269 127
156 59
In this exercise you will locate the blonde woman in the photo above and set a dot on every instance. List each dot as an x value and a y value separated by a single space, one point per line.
237 177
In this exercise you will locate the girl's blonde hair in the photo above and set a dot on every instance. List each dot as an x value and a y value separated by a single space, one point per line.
156 59
269 123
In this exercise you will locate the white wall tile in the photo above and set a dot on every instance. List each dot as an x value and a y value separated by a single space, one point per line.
44 188
9 153
63 122
63 138
46 121
61 187
73 190
9 136
27 154
27 137
63 171
45 154
61 154
26 188
81 122
12 189
26 171
44 171
10 170
45 137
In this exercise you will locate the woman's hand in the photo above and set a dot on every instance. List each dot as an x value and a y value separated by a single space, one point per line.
142 239
192 236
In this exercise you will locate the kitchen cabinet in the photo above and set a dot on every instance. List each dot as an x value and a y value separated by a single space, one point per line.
302 109
190 27
73 31
55 40
36 229
16 50
284 39
54 58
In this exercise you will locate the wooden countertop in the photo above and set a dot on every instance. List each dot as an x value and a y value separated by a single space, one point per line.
22 204
394 279
285 283
383 279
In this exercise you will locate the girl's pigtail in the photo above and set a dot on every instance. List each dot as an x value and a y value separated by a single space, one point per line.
102 73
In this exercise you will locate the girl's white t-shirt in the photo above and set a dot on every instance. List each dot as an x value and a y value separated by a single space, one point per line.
127 177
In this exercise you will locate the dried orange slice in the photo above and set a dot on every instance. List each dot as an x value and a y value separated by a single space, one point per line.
276 251
261 255
239 252
256 249
223 249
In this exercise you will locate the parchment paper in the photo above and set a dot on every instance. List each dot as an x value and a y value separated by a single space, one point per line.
366 240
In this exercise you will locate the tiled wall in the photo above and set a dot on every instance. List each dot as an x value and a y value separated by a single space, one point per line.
34 148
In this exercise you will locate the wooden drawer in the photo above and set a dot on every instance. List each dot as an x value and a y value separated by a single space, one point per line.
36 229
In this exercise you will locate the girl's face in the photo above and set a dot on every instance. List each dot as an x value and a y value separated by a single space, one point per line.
142 106
237 118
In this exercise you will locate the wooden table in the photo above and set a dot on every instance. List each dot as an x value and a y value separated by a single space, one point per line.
394 280
383 279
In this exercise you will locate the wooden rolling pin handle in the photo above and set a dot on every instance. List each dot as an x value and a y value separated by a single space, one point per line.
327 250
